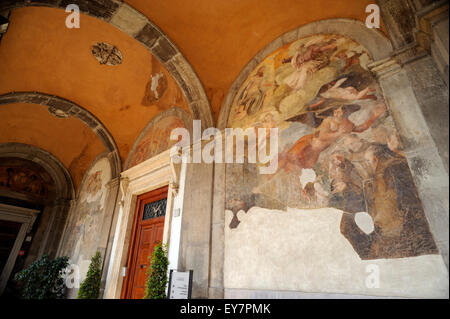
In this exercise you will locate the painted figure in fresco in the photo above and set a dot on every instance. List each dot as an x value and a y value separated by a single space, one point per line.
156 140
155 88
306 151
252 96
346 185
331 165
334 91
22 180
307 60
267 122
375 178
140 153
349 61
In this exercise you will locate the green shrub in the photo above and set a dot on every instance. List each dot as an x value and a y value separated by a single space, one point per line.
155 287
43 278
90 287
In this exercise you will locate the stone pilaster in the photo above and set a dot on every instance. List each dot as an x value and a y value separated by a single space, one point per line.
419 33
107 233
56 227
195 241
427 168
216 288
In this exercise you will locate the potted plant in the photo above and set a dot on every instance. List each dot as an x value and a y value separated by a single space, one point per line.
43 279
90 287
155 287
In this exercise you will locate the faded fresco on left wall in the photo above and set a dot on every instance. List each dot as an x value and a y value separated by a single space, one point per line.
85 223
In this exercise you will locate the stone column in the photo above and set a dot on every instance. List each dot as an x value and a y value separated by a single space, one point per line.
195 245
432 32
216 288
427 168
420 39
111 289
49 216
72 204
56 227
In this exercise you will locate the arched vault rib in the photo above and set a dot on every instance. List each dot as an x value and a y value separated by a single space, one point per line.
138 26
64 108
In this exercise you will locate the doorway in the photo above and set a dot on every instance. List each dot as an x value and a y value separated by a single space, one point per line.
15 223
148 230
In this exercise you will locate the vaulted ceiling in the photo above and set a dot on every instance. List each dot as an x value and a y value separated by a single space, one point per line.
218 38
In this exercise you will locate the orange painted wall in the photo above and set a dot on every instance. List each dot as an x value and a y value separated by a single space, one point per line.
71 141
38 53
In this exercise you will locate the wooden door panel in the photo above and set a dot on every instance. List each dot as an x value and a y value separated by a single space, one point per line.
148 232
151 235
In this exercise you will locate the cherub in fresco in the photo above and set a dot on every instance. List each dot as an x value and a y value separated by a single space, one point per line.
306 151
334 91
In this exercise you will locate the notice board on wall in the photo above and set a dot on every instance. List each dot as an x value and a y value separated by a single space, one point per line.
180 284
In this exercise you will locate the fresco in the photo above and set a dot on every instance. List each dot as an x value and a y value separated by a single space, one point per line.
156 140
161 89
20 179
84 225
338 148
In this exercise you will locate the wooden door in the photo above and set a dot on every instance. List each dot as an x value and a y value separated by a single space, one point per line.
147 233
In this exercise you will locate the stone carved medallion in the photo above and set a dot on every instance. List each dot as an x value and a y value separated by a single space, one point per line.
106 53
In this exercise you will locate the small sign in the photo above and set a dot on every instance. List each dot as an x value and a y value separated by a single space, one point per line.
180 284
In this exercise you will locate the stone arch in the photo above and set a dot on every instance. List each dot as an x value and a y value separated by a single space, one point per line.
53 216
184 116
138 26
64 186
378 46
61 107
